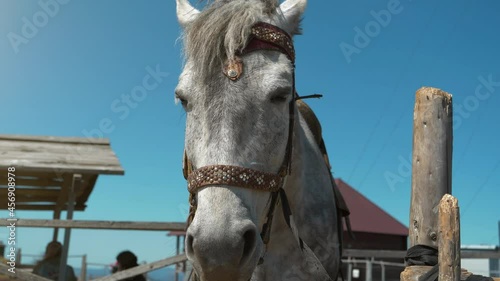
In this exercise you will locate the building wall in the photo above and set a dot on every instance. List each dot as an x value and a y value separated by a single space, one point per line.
476 266
392 273
375 241
485 267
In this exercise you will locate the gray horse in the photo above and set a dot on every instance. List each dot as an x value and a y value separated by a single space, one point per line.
248 149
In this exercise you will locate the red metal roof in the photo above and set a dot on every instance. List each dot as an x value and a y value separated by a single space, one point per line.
366 216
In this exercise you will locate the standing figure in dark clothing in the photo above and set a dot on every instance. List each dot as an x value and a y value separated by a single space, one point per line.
49 266
126 260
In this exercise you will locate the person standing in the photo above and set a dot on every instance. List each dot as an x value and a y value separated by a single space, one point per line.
48 267
126 260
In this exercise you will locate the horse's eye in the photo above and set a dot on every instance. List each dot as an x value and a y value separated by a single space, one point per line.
280 96
278 99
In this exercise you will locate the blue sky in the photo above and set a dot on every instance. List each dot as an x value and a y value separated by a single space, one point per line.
73 70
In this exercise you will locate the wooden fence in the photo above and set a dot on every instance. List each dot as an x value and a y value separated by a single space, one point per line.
116 225
434 212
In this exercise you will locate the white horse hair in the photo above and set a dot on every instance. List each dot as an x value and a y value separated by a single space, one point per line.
245 123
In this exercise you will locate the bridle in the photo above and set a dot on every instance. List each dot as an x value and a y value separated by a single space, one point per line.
263 36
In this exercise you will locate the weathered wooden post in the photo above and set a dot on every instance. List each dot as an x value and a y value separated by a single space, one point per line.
177 245
449 239
83 270
431 169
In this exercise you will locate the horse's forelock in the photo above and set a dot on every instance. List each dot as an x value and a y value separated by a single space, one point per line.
221 30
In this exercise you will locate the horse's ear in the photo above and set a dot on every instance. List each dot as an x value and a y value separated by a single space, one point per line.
292 11
185 12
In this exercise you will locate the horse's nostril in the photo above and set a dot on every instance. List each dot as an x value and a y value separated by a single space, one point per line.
249 240
189 245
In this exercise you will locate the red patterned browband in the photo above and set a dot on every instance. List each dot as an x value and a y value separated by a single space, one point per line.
234 176
263 36
266 36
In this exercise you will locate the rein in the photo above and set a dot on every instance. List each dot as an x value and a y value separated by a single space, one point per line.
263 36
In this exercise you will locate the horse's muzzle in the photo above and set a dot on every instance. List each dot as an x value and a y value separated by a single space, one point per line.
227 253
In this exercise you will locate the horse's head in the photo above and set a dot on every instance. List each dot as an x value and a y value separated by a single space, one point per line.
238 116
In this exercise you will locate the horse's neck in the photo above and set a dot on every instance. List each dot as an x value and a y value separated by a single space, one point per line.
312 204
310 188
312 200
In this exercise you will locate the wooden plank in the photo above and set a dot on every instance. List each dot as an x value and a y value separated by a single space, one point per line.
31 175
431 169
449 239
27 200
63 159
68 168
20 274
13 158
58 155
68 151
20 173
31 192
39 195
141 269
43 195
83 224
43 207
58 148
55 139
75 151
44 182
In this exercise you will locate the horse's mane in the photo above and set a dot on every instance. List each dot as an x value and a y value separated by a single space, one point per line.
221 30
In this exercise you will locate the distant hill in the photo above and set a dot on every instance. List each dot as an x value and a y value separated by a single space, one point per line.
163 274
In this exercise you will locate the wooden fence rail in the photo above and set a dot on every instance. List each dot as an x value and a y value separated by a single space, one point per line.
83 224
121 275
141 269
20 274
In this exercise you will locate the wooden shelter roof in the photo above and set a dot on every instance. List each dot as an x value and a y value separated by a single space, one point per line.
44 167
